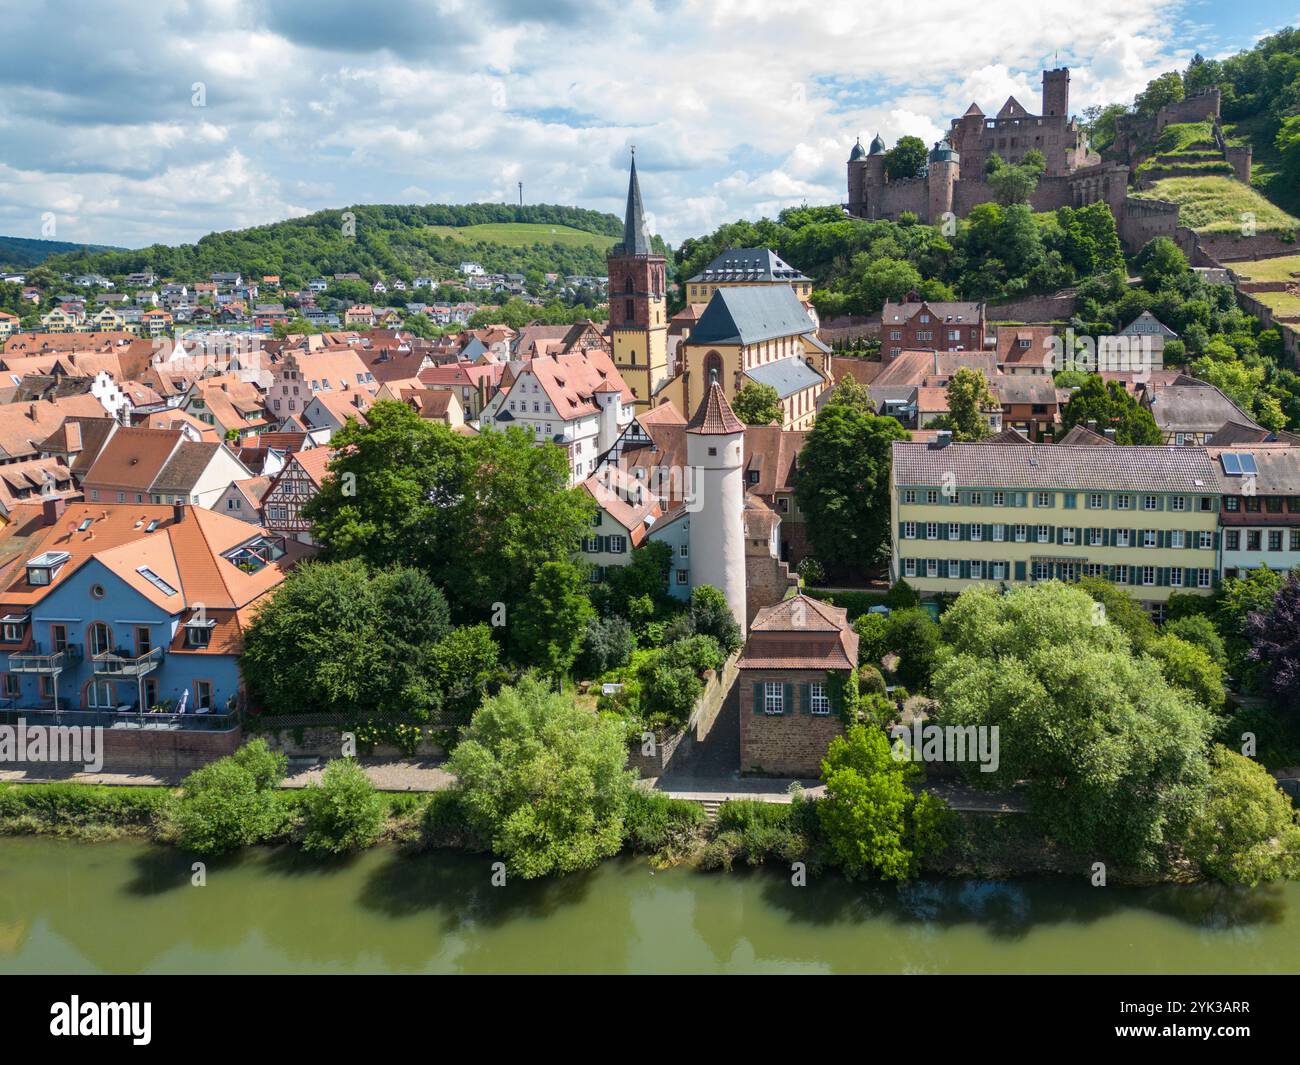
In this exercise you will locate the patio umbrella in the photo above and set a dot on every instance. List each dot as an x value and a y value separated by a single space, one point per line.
185 698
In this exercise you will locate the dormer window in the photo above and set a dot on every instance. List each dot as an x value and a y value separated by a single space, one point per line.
198 631
15 626
43 568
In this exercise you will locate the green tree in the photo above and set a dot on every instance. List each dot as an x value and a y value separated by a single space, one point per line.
1189 667
906 159
1160 92
843 487
1114 755
1160 263
873 821
1198 630
344 812
607 644
1120 609
758 404
1247 830
465 666
915 637
549 625
231 803
711 616
1111 407
544 780
1252 593
969 398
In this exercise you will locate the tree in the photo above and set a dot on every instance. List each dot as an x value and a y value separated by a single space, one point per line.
606 645
873 821
1252 593
906 159
1114 755
1160 92
549 625
1247 831
479 514
1111 407
915 637
884 279
1120 609
333 638
711 616
758 404
1014 183
1160 262
231 803
1187 666
1198 630
969 398
464 666
544 780
1274 637
843 486
873 638
344 812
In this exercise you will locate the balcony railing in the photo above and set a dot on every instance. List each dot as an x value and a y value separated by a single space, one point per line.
38 660
108 664
126 718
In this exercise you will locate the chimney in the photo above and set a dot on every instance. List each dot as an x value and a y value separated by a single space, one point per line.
1092 424
52 508
1110 435
178 513
942 438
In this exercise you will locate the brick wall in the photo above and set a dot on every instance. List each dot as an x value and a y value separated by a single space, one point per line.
788 744
162 749
767 580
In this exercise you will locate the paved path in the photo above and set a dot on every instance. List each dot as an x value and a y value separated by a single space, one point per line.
387 775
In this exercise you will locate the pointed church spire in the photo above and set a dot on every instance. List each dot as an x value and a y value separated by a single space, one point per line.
714 416
636 238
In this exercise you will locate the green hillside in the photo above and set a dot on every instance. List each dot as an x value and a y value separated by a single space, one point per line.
384 240
525 234
1211 204
22 252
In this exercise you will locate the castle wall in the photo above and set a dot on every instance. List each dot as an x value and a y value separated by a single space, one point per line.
894 197
1144 220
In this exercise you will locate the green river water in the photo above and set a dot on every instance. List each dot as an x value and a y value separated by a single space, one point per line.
129 907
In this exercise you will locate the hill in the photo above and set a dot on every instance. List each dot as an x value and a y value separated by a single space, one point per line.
1213 204
384 240
20 252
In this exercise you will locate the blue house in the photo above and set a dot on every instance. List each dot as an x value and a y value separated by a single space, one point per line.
128 608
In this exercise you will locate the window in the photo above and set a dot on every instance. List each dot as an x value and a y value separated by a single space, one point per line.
1042 571
977 531
999 571
1150 502
1176 538
954 569
58 637
1295 539
1176 577
819 701
1123 502
1042 499
1067 536
1275 539
932 567
100 638
13 685
1121 575
1203 578
1178 503
1234 540
932 530
203 695
976 570
99 695
156 581
13 630
909 495
1095 537
198 634
1044 534
1253 540
1231 503
1022 533
932 496
909 567
954 531
1148 575
683 576
999 499
1205 540
999 533
143 640
977 499
909 530
618 544
1096 501
684 550
1121 538
773 697
1149 537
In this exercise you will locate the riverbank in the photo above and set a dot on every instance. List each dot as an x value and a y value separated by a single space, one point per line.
669 832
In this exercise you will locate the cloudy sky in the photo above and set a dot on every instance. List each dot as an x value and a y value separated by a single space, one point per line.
141 121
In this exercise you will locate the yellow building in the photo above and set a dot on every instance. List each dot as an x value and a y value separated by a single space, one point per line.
9 323
759 333
746 266
1145 518
59 321
638 306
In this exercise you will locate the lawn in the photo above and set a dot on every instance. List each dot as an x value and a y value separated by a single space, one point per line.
524 234
1214 205
1270 269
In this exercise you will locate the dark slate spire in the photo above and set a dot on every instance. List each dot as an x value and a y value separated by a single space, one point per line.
636 238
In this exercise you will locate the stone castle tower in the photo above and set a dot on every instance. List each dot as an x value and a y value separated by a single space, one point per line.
715 452
638 308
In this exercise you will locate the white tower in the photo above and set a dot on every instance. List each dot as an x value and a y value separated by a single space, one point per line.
715 451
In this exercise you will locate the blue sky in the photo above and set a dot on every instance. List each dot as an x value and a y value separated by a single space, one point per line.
152 122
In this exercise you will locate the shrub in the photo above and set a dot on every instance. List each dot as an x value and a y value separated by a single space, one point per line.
756 831
901 595
870 681
915 637
231 803
711 616
343 812
873 638
1199 631
72 805
655 821
606 645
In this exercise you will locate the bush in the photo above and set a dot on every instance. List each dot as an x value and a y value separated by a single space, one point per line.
871 681
901 595
915 637
756 831
873 638
711 616
855 603
1199 631
606 645
231 803
343 812
654 821
77 805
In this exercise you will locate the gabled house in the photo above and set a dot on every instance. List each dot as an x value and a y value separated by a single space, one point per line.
300 479
160 466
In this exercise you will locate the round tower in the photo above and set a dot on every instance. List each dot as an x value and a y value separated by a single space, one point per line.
944 169
715 451
857 179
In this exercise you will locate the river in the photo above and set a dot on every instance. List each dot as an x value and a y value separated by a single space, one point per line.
129 907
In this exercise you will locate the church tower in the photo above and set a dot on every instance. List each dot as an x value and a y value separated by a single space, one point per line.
638 308
715 452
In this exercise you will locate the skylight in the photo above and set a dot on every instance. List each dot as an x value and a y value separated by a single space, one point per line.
156 581
1238 464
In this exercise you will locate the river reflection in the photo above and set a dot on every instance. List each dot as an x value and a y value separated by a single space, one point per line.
128 907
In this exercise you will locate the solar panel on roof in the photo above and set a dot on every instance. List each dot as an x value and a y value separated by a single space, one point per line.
1231 463
1248 464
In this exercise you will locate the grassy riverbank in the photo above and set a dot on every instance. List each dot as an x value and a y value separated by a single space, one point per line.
669 832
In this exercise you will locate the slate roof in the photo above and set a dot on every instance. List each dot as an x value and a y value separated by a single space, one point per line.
751 314
749 264
787 376
636 235
1198 408
1031 466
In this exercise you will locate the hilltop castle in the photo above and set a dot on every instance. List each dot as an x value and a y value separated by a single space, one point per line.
954 179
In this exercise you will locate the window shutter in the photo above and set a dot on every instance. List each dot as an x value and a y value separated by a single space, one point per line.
1134 575
1189 578
1078 537
988 532
758 697
787 705
805 698
1020 571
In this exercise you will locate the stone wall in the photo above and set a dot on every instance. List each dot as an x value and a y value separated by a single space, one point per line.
1033 309
1144 220
789 744
1229 247
767 581
326 741
165 749
654 762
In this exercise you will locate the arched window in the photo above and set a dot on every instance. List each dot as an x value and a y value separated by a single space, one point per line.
627 286
100 638
712 368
